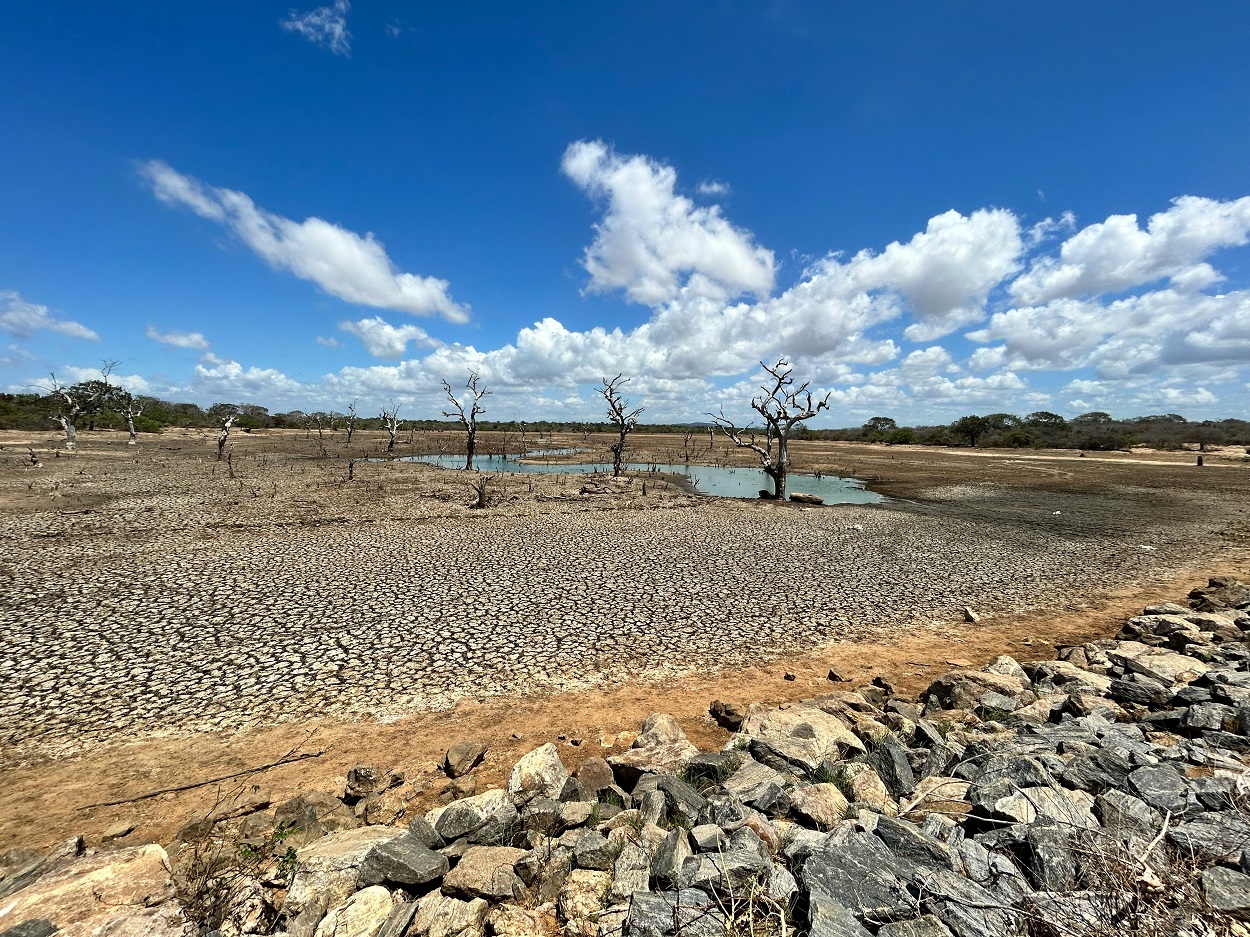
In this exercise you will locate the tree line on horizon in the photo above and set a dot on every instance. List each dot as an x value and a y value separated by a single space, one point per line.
1041 429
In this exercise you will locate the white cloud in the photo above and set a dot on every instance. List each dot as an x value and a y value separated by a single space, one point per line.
329 341
324 26
712 187
383 340
224 379
194 340
653 243
344 264
135 383
947 271
1116 254
22 319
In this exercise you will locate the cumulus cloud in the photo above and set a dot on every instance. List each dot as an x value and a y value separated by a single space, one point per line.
194 340
1117 254
383 340
226 379
344 264
325 26
712 187
22 319
652 242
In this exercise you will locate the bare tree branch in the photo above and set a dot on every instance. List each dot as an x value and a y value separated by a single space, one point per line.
621 417
468 419
783 406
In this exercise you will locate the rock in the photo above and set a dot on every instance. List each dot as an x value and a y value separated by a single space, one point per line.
905 840
727 715
1160 786
327 870
1097 771
867 788
686 912
363 915
440 916
820 805
595 774
404 860
858 872
401 916
540 773
662 748
462 817
581 899
1227 892
119 830
425 834
961 689
734 870
671 857
576 813
592 851
940 794
1052 864
311 816
924 926
890 760
1218 836
708 837
831 919
631 872
1122 813
799 737
485 872
799 497
126 891
970 616
753 782
363 781
508 920
463 757
1168 667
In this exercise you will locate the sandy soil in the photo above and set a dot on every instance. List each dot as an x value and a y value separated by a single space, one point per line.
41 801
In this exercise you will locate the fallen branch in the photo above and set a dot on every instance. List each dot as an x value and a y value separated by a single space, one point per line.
285 760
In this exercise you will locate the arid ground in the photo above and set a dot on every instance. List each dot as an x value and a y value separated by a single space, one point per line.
168 618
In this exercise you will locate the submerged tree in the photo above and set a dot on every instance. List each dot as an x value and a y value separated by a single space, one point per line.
391 423
468 418
783 407
84 399
621 417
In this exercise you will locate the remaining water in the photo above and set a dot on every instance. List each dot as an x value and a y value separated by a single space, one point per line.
707 479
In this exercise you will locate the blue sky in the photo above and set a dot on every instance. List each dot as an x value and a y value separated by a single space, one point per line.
931 209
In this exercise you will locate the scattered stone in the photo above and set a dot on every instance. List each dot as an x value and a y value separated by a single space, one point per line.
463 757
485 872
541 773
404 860
1227 892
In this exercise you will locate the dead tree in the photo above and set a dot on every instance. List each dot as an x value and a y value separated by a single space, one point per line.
132 412
226 423
468 419
479 489
524 448
84 399
621 417
350 421
391 423
783 406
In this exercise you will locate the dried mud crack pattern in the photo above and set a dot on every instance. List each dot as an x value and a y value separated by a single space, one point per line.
376 619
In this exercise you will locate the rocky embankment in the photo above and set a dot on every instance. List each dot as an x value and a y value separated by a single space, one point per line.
1104 792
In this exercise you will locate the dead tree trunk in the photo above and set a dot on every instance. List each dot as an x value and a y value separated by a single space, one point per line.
621 417
467 418
224 435
392 423
783 406
131 413
351 421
